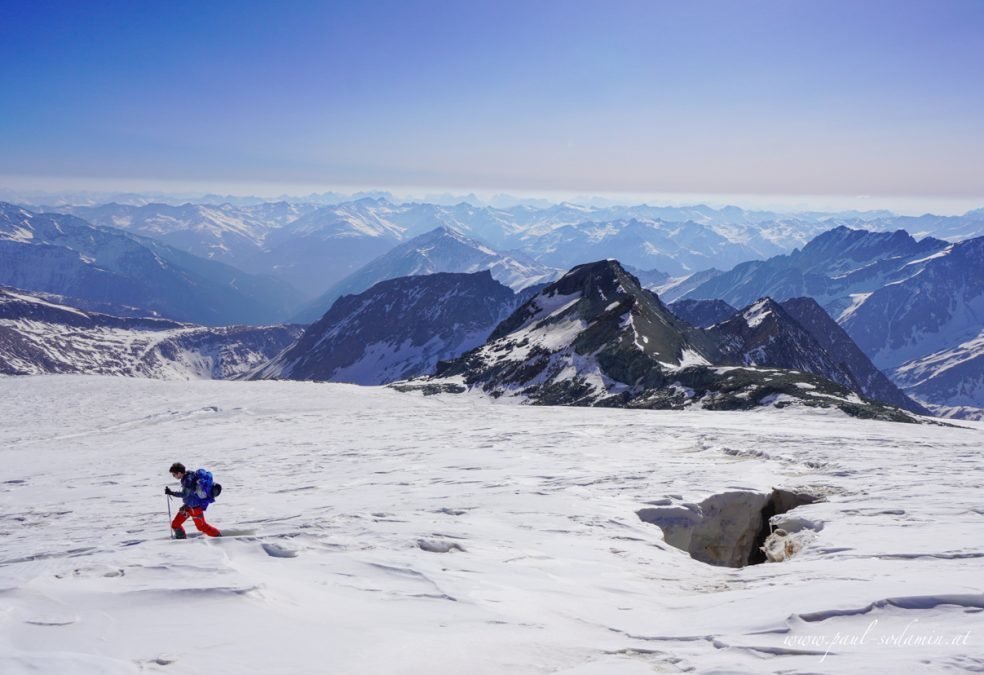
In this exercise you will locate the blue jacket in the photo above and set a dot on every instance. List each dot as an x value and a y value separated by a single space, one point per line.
190 494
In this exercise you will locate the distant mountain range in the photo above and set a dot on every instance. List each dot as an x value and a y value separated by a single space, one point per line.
68 256
226 233
441 250
912 303
38 337
314 245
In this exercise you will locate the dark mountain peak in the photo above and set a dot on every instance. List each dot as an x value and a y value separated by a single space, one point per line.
11 212
759 323
418 284
764 334
593 332
972 247
601 275
398 328
798 334
866 379
587 290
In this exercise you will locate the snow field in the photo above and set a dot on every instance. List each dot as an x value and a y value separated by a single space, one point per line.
355 492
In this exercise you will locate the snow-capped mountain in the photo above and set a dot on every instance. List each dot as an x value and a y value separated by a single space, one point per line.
63 254
936 303
39 337
596 337
836 268
441 250
397 329
777 339
950 381
763 334
702 313
798 335
227 233
899 299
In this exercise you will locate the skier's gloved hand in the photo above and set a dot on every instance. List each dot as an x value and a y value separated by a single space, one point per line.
168 492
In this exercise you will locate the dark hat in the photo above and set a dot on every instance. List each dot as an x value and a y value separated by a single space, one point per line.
177 467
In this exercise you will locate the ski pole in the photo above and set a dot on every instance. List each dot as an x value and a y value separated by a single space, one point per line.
170 532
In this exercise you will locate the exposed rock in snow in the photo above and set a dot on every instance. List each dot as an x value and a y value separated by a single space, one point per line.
731 529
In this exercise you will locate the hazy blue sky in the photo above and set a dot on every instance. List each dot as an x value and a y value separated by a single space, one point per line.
784 97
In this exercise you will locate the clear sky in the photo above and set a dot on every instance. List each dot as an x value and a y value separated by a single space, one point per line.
779 97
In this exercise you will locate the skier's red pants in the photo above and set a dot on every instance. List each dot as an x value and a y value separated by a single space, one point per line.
197 516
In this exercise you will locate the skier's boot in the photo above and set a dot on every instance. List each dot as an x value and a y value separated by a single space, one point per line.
179 534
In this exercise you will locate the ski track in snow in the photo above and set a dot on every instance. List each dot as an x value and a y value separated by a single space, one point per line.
381 532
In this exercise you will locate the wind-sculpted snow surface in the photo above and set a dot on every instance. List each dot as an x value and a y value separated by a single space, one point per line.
456 534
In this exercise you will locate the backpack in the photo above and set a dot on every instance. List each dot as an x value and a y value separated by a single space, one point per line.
206 487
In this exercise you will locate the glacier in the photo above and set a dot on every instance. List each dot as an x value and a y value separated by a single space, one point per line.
402 533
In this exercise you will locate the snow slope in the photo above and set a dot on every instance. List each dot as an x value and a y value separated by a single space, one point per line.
353 491
39 337
952 378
